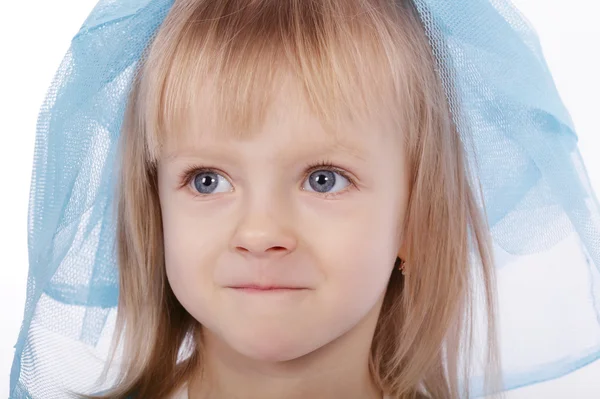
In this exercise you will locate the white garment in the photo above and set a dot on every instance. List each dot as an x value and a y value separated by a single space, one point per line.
181 394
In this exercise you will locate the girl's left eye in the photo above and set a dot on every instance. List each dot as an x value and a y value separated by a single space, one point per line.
326 181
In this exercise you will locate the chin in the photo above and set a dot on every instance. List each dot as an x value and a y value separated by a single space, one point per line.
273 346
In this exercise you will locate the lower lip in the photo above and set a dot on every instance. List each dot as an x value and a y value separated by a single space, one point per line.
267 290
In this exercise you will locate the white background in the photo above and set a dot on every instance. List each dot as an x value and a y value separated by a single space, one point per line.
35 34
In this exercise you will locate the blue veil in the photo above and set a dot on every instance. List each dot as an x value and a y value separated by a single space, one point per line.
544 216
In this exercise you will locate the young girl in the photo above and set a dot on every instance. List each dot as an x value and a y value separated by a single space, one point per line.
300 208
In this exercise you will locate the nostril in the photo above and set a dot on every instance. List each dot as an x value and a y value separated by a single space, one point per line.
277 248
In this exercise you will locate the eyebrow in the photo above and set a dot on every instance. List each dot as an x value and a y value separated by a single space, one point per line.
228 155
349 149
194 151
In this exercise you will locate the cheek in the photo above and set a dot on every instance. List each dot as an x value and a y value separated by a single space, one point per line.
359 245
184 241
191 235
360 273
357 257
189 252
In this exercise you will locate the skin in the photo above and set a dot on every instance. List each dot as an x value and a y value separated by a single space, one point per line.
265 224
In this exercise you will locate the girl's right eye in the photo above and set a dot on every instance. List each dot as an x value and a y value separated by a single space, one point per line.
208 182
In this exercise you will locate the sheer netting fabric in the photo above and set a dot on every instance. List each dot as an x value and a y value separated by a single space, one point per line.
522 145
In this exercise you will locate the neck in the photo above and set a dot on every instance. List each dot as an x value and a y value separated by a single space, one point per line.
337 370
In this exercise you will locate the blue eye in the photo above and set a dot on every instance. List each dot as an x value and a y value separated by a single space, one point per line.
211 183
325 181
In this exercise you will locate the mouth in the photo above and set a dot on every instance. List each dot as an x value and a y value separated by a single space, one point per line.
266 288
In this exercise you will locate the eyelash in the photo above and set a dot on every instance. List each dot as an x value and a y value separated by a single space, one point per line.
191 171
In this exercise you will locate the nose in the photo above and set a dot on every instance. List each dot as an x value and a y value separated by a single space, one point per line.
262 233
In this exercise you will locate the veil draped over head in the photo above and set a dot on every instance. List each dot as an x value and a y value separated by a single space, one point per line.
543 214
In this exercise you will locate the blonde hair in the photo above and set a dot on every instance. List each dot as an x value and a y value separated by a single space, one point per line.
351 59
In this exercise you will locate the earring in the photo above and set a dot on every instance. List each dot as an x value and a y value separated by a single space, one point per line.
402 266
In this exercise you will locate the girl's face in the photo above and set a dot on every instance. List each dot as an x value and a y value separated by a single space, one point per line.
282 242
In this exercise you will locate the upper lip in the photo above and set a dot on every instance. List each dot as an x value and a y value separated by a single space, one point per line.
266 286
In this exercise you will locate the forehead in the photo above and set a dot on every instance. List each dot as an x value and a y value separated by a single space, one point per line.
287 123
